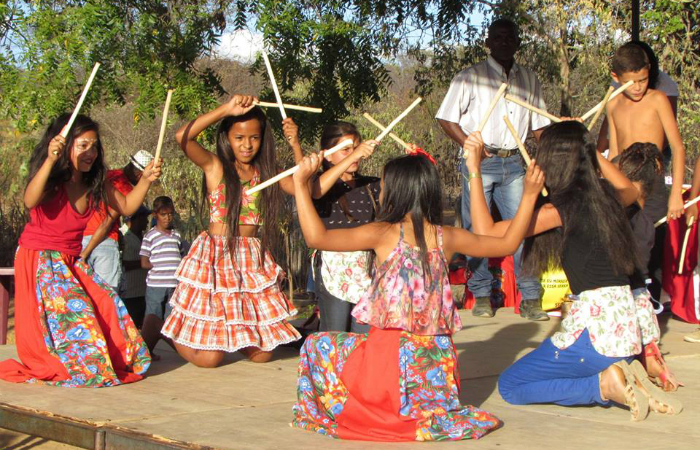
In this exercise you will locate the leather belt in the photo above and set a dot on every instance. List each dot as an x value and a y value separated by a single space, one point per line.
502 152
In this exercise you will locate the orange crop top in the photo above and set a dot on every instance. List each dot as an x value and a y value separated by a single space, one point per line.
250 207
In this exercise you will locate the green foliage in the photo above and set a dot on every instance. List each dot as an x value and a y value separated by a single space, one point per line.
145 47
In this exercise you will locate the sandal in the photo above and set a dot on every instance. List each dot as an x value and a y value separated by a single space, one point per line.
634 397
659 401
666 379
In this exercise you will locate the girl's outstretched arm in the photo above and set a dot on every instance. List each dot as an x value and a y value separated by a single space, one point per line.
330 176
129 204
543 219
186 136
364 237
34 192
463 241
626 191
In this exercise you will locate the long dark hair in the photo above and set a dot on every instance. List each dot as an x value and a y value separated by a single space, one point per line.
265 161
586 202
642 162
61 170
329 138
412 185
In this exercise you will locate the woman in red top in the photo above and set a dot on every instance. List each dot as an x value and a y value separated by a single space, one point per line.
71 328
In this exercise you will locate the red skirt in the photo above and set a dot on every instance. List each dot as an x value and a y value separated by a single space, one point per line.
71 329
388 385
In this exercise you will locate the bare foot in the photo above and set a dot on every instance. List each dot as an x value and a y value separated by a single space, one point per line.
612 384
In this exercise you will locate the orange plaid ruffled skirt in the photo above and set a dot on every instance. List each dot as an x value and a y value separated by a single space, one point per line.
222 304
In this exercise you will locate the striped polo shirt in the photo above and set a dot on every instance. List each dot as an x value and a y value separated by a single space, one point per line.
164 250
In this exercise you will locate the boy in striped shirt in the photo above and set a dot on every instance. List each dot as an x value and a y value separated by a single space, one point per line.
161 252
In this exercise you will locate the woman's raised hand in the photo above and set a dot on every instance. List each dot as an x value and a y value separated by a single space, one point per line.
534 180
240 104
365 149
56 147
153 170
474 151
290 131
308 167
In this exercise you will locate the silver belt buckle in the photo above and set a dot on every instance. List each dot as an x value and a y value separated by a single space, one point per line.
502 153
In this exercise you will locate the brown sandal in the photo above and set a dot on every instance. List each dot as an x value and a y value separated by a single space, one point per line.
659 401
634 397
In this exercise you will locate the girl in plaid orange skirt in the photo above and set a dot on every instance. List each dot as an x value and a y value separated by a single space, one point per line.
228 297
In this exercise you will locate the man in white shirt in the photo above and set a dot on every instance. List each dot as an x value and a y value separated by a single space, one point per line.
502 170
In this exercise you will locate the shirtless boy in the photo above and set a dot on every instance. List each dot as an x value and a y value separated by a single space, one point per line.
644 115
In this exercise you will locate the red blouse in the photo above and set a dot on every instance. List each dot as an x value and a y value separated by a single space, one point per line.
55 225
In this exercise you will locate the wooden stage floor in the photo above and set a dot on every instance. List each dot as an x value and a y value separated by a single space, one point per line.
243 405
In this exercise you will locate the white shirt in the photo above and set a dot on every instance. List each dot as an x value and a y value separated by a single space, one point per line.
664 84
470 95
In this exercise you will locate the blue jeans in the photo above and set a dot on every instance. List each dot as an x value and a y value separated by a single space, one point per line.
158 301
106 261
549 375
503 182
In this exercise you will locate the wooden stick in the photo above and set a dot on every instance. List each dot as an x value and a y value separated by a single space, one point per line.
521 147
274 85
600 110
330 151
690 203
499 94
534 109
482 124
398 119
685 244
288 172
66 129
617 92
288 106
163 124
382 128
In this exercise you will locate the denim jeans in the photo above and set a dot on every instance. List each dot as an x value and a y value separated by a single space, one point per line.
549 375
158 301
503 182
106 261
334 312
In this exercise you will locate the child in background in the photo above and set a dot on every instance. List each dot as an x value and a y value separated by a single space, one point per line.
71 328
644 115
341 278
132 285
161 252
642 163
399 382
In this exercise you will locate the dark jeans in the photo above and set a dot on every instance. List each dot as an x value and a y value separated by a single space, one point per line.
137 309
335 313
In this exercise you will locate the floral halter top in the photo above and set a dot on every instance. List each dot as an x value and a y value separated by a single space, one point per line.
400 297
250 204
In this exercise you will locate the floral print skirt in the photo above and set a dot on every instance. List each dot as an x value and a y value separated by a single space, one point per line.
71 329
387 385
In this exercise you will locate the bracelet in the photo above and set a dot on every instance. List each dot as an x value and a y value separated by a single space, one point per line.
474 175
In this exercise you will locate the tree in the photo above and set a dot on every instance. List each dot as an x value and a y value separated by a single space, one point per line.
145 47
